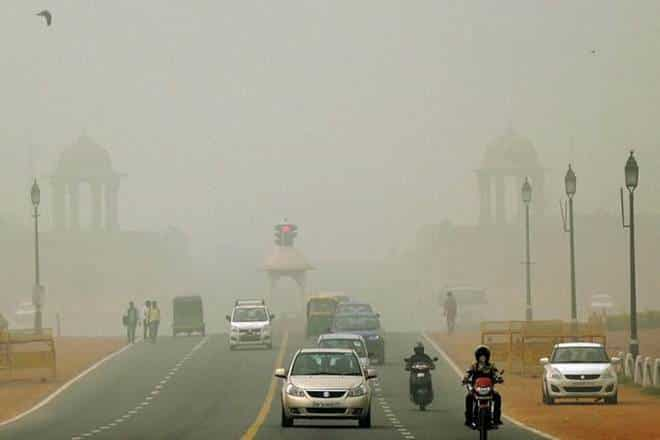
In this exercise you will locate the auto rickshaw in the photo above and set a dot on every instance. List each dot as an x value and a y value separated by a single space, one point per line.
188 314
320 313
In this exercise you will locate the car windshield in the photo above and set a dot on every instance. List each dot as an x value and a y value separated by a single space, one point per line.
320 363
580 355
253 314
348 323
350 344
354 308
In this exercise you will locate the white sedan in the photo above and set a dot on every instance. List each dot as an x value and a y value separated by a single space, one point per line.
579 370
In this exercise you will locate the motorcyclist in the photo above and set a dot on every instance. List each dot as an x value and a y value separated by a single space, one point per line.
418 357
483 368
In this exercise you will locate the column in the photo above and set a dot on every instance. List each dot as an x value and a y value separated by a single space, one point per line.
500 207
59 205
74 206
97 196
485 214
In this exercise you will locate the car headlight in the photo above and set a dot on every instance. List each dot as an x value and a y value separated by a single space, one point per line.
358 391
555 374
293 390
374 337
608 373
266 330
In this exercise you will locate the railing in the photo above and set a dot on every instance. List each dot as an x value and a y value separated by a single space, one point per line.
27 350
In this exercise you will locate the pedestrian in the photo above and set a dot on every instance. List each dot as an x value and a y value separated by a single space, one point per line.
154 321
145 318
131 321
450 309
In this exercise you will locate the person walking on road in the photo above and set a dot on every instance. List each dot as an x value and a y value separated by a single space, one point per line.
450 309
145 318
154 321
131 319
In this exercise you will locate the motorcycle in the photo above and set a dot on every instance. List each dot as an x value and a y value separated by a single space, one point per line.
482 411
421 387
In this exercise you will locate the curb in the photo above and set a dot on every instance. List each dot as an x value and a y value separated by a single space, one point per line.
460 372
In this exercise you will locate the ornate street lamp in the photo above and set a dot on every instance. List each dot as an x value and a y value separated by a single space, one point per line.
570 184
37 294
631 171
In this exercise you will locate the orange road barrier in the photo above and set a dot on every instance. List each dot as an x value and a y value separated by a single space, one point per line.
27 350
519 344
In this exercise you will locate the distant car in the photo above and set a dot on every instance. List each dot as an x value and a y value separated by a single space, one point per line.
326 383
346 341
366 325
250 324
579 370
353 307
188 315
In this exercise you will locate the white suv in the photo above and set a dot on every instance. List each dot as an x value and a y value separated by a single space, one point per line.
579 370
250 324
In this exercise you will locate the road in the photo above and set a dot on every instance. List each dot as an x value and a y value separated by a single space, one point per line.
195 388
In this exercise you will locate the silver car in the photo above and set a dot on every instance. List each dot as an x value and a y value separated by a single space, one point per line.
324 383
579 370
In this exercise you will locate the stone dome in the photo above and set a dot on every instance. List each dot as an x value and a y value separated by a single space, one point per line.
511 151
85 159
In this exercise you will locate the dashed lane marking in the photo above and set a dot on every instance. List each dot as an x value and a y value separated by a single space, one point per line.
141 405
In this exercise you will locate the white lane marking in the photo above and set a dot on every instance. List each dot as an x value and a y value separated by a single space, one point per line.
460 373
67 385
146 402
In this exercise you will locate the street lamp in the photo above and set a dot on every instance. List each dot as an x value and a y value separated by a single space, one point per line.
632 178
527 199
35 195
570 183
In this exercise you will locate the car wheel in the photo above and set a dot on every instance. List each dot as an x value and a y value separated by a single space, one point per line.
612 400
286 422
365 422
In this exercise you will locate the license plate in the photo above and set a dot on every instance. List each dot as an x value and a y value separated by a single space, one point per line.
584 383
420 374
324 404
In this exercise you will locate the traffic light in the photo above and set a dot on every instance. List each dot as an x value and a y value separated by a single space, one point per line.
285 233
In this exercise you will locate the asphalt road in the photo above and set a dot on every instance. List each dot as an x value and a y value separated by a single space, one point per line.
195 388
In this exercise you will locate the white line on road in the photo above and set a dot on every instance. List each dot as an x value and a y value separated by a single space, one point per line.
460 373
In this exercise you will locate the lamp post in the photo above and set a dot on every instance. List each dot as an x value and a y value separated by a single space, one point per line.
35 195
527 198
570 183
632 178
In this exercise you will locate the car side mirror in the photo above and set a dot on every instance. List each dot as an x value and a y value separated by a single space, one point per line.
371 373
272 316
228 318
435 359
406 359
378 315
544 361
615 360
281 373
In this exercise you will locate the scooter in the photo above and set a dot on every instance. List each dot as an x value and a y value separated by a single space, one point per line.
482 410
421 387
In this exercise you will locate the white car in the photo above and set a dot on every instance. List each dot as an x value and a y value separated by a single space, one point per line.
347 341
250 324
324 383
579 370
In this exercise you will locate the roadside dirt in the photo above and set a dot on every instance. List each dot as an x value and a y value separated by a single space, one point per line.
73 356
631 419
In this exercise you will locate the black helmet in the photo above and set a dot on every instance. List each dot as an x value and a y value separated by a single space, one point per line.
419 348
482 350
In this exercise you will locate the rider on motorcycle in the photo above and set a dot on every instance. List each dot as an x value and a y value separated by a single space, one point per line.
418 357
483 368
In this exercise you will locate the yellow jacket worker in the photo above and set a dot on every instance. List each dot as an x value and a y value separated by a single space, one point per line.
154 321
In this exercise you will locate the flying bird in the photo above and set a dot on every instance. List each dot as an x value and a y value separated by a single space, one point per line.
593 51
47 15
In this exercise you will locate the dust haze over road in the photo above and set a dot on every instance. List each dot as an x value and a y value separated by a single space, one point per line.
169 138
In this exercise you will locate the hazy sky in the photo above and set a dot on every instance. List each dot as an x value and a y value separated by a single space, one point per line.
360 120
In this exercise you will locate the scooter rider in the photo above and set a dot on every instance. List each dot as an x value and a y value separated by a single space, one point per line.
418 357
483 368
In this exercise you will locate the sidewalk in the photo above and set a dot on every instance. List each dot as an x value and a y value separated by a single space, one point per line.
632 418
74 355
